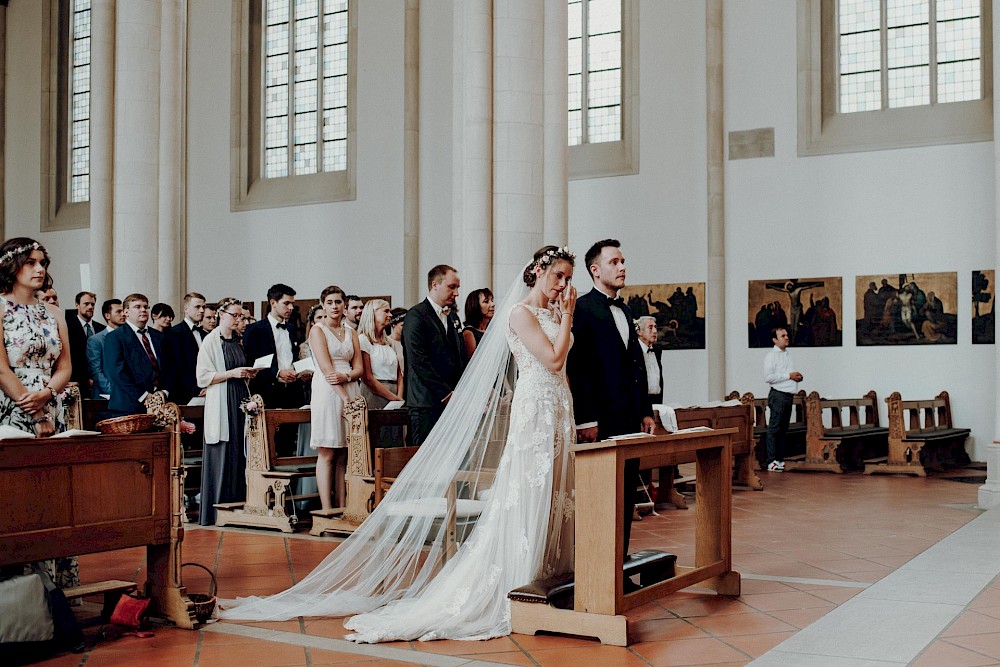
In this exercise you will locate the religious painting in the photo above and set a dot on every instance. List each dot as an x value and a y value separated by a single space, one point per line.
983 296
907 309
809 309
679 311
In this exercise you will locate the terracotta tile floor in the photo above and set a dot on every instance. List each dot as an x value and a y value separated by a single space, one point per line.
831 528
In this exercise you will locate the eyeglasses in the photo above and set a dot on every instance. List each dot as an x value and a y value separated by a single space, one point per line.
235 316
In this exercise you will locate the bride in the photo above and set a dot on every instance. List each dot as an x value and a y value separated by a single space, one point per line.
393 572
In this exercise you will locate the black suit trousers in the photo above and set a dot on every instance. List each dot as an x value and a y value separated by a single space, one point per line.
422 420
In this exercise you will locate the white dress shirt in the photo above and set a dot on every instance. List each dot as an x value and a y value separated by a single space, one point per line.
282 343
778 366
440 310
652 369
135 330
192 326
86 323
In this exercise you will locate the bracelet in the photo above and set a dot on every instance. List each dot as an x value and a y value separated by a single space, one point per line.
55 394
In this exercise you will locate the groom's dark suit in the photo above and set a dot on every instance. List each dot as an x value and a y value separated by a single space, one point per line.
608 380
129 370
433 363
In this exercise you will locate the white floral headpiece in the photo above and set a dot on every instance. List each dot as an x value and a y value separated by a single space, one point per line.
10 254
552 254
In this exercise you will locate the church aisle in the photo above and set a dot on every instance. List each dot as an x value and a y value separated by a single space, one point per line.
806 545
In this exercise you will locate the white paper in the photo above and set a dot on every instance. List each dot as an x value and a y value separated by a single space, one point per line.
393 405
75 431
693 429
264 362
197 400
11 432
304 366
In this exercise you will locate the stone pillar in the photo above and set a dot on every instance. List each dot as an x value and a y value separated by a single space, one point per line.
518 103
989 493
136 152
171 149
715 126
474 144
411 154
556 163
102 143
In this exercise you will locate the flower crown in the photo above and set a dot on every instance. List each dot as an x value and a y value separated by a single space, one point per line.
556 253
10 254
226 303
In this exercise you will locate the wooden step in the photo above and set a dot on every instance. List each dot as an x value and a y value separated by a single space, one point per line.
328 514
98 588
229 506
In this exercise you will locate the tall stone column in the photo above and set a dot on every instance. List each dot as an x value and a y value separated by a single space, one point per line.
170 222
989 493
556 119
518 134
411 154
715 125
102 143
136 147
474 143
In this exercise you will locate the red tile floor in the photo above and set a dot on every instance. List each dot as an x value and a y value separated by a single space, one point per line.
833 528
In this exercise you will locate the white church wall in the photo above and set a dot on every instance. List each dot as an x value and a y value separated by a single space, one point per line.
911 210
357 245
659 214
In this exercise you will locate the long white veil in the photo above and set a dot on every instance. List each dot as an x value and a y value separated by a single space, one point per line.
392 556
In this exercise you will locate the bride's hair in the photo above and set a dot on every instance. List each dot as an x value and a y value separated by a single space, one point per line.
543 258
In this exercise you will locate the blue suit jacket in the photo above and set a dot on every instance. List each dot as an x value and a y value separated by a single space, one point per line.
129 370
95 360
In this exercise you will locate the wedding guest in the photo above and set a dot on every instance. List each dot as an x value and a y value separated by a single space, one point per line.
241 328
182 342
383 377
337 354
432 351
307 485
316 314
49 296
276 335
352 314
479 310
80 327
114 315
396 326
211 319
222 371
34 360
133 359
161 317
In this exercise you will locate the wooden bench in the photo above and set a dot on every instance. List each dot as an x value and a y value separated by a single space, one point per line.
360 478
90 410
193 451
922 437
269 502
744 443
834 444
795 438
97 493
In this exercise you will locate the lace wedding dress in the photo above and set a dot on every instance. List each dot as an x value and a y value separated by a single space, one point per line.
390 570
524 532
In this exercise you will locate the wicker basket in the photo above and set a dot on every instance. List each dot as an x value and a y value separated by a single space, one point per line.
204 605
127 424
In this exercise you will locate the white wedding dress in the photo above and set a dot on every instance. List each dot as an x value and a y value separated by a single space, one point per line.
389 571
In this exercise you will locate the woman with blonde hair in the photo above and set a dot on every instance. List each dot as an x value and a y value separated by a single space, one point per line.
383 374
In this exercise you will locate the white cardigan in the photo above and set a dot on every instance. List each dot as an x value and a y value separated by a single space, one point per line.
210 362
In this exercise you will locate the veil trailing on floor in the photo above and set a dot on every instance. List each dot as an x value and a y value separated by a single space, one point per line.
402 545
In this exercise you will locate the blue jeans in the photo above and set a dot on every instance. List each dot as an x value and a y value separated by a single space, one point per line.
779 404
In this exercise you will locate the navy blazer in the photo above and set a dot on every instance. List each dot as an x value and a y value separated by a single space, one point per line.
129 370
181 349
258 341
433 358
607 378
78 348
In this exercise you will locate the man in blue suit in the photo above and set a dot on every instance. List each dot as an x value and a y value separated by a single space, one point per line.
114 315
132 358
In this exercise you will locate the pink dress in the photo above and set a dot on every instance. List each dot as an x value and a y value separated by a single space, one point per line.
329 428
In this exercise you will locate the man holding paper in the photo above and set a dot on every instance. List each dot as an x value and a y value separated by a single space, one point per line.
272 344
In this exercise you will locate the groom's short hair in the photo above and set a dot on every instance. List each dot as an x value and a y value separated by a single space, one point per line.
438 272
595 252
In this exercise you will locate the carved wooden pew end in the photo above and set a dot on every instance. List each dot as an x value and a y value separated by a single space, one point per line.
921 438
842 445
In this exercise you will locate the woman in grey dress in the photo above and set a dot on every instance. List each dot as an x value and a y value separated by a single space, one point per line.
222 370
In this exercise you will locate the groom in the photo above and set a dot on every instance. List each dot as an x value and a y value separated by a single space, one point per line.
607 373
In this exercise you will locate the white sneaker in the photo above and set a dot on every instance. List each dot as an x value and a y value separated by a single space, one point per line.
776 466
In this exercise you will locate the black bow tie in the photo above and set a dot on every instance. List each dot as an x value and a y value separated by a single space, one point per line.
201 331
616 301
281 325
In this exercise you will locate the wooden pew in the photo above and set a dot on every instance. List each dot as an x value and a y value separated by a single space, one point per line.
739 417
843 445
360 477
269 503
96 493
90 409
192 447
795 439
922 437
